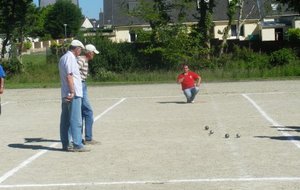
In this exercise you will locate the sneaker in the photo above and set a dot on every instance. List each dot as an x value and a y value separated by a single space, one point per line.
68 148
83 149
92 142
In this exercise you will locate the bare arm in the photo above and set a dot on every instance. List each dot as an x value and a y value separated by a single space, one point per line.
198 81
180 80
1 85
71 87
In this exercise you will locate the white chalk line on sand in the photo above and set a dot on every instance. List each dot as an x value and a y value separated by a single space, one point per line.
160 182
272 121
40 153
23 164
5 103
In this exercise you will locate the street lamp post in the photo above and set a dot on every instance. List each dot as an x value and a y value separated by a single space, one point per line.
65 25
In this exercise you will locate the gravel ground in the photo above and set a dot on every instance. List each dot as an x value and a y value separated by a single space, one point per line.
152 140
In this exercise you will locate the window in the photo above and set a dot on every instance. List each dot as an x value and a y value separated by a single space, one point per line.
234 31
132 36
242 32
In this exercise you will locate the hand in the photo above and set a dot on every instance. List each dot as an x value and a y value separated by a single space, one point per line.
70 97
181 80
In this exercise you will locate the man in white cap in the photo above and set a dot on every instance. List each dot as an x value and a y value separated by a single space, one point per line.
87 112
71 94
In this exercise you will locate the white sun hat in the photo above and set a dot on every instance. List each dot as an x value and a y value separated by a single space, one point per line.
77 43
91 48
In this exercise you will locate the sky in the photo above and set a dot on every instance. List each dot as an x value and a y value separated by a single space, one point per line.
89 8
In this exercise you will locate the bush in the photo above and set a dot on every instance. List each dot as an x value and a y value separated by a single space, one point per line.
115 57
101 74
282 57
12 66
27 45
294 34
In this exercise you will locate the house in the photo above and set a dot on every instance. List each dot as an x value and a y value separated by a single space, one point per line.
261 20
89 24
276 21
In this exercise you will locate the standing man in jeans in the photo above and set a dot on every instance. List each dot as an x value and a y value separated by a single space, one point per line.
190 83
71 94
87 112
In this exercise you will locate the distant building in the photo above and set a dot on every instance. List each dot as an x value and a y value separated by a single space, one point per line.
43 3
260 20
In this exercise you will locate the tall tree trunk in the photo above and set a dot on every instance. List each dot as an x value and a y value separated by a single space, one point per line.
4 44
239 25
205 23
224 39
230 13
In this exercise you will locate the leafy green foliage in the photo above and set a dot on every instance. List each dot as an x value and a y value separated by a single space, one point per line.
16 21
294 34
113 57
27 45
293 4
38 30
12 66
282 57
63 12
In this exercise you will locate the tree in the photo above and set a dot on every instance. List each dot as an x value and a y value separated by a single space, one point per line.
293 4
205 22
15 22
38 29
63 12
231 12
155 13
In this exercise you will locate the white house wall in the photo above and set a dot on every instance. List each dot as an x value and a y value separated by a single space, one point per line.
87 24
249 29
297 24
268 34
122 35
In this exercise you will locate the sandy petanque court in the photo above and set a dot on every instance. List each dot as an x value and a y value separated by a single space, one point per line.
152 140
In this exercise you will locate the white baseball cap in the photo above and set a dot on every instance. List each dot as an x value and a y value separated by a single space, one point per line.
91 48
77 43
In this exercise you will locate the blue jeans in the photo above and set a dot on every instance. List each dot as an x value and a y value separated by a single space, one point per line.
190 93
87 114
71 120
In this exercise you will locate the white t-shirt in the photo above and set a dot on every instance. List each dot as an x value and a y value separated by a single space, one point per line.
68 65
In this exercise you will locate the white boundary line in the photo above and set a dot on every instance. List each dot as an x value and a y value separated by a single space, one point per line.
174 181
3 104
272 121
108 109
23 164
40 153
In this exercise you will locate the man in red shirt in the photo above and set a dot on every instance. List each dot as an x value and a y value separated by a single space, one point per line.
190 83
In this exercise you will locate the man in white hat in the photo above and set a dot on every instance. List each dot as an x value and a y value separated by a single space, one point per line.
87 112
71 94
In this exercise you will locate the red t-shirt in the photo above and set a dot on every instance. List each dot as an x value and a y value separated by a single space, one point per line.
189 79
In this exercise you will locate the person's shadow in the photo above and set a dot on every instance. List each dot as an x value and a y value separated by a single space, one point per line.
172 102
287 128
284 138
25 145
